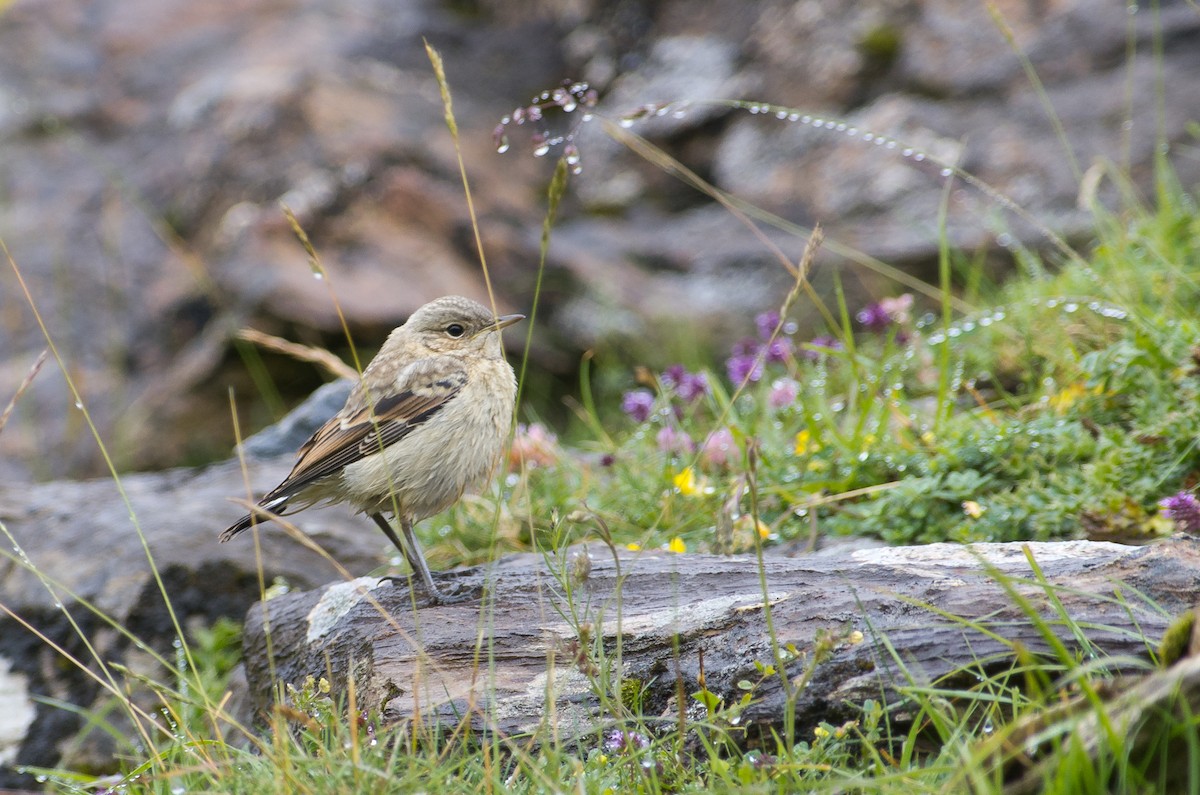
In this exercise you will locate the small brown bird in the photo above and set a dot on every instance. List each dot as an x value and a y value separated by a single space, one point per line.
426 422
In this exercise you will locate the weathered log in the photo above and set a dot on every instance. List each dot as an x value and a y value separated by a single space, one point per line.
527 655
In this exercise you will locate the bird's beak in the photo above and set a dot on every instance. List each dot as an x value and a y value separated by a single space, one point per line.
506 320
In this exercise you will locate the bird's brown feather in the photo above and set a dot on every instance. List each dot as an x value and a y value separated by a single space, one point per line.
354 434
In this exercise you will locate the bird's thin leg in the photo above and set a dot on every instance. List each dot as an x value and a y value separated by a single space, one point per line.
412 553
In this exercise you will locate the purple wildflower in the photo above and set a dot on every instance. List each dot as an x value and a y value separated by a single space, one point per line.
672 440
873 316
638 404
744 362
744 368
886 312
819 346
779 350
689 386
1184 510
783 393
673 375
746 346
766 323
619 741
693 386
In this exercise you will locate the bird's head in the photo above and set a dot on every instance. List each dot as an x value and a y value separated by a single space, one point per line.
456 325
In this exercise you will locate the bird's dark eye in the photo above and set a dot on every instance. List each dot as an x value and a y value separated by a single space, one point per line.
455 330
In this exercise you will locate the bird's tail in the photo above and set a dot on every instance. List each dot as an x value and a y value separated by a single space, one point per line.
275 506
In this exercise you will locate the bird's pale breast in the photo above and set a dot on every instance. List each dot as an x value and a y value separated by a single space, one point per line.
455 451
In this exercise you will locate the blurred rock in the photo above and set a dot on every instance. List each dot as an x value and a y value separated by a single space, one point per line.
147 147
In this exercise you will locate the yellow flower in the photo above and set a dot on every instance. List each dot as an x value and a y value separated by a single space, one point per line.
820 732
634 547
973 509
856 637
677 546
685 481
805 444
1068 396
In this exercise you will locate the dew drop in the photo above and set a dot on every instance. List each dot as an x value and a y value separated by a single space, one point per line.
541 150
781 114
1071 307
806 119
502 147
946 172
907 152
79 405
626 122
868 137
918 156
793 117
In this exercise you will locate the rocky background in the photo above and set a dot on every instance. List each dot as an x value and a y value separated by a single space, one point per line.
145 148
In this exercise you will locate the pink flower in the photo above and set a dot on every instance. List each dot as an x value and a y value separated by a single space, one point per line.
718 448
674 441
783 393
533 446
